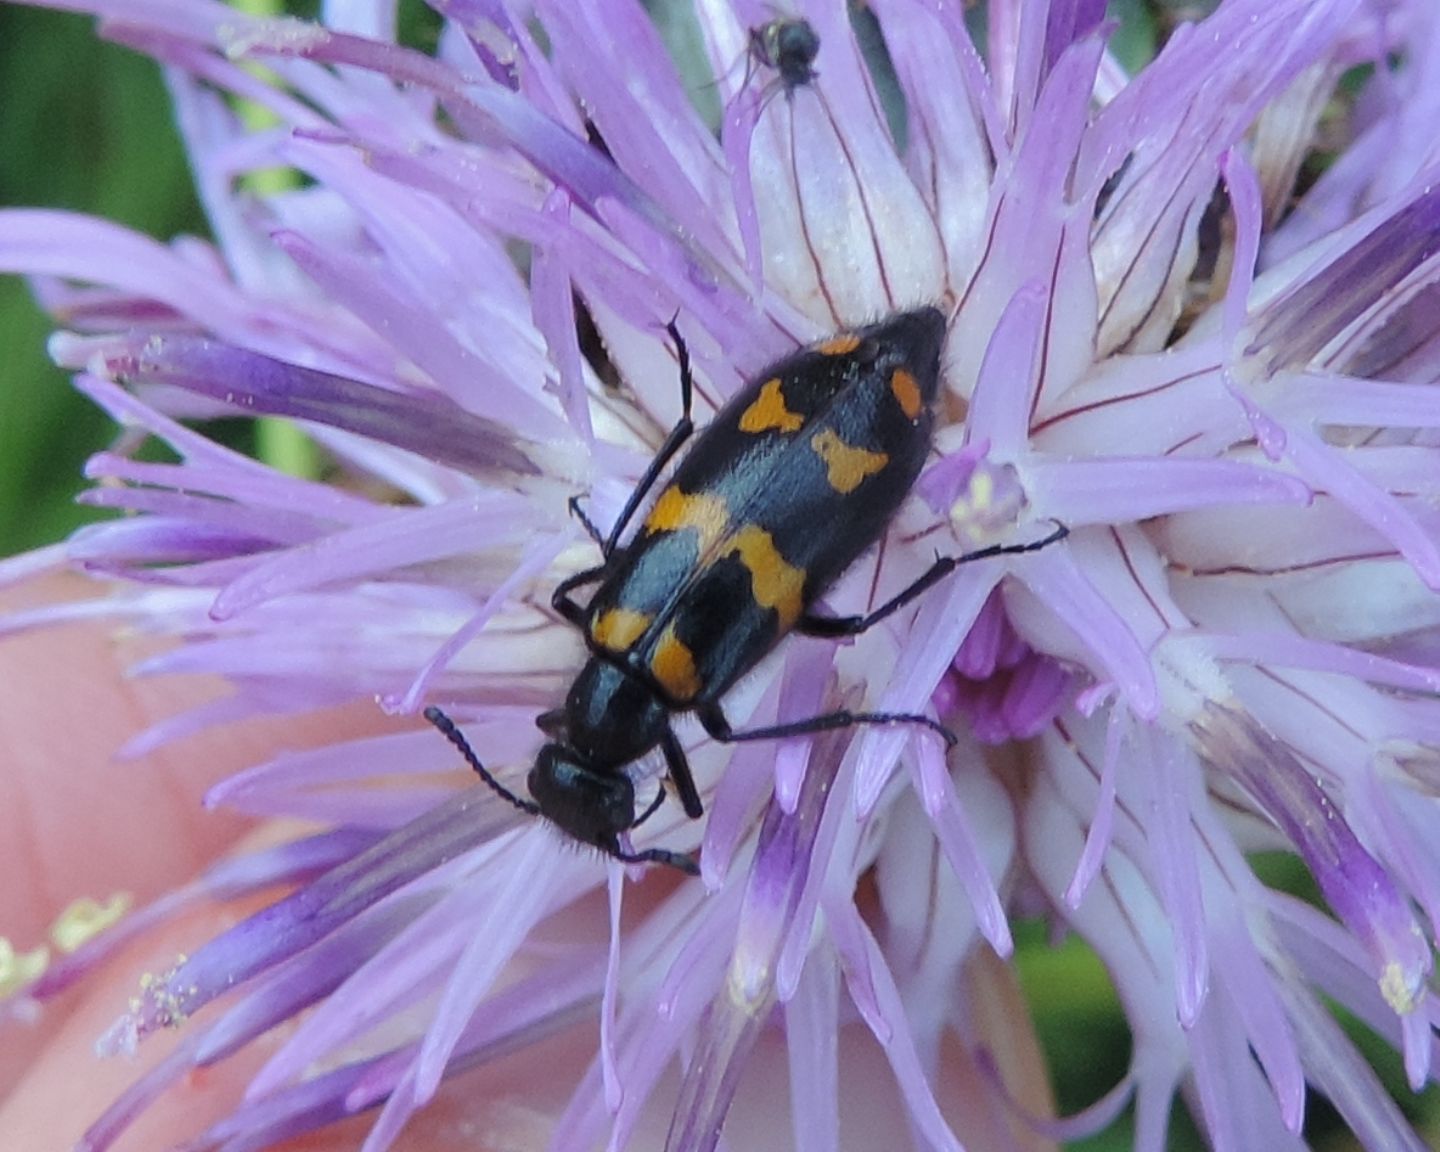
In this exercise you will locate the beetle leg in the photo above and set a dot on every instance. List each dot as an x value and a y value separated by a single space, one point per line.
835 627
715 723
560 599
680 774
585 522
678 860
552 723
651 808
673 442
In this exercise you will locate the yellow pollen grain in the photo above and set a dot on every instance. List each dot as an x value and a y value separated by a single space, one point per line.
769 411
673 666
17 969
907 392
1398 988
706 513
846 466
774 581
977 499
86 918
841 345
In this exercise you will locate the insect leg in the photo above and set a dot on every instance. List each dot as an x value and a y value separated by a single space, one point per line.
552 723
673 442
585 522
560 599
680 774
678 860
834 627
457 738
714 722
651 808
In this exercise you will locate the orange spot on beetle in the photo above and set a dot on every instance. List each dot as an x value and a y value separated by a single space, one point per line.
845 465
708 514
618 629
769 411
841 345
907 392
774 581
673 666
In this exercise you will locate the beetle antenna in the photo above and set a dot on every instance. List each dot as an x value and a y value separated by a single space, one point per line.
457 738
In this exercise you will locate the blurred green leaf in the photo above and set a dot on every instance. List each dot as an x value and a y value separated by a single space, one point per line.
87 126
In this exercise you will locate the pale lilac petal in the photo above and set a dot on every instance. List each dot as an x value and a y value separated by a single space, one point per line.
1026 247
1008 381
1294 329
1266 1029
812 1030
554 303
537 558
414 420
406 536
955 832
1060 583
496 936
941 624
773 908
1295 652
1097 838
748 774
609 1073
1175 122
1078 492
1170 791
1325 468
27 566
644 115
951 140
1362 893
313 912
872 987
137 1097
737 136
1379 815
412 964
1234 1098
1346 1079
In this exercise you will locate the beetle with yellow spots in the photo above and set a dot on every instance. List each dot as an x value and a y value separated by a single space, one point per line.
785 488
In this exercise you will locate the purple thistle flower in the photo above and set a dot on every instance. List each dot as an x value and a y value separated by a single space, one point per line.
1212 371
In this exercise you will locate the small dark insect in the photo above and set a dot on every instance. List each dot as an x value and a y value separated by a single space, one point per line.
794 478
788 45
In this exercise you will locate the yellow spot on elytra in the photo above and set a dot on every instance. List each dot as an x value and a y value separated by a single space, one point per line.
673 666
841 345
774 581
845 465
86 918
907 392
18 969
769 411
707 514
618 629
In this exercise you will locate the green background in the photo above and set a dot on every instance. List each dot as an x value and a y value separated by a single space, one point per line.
84 125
